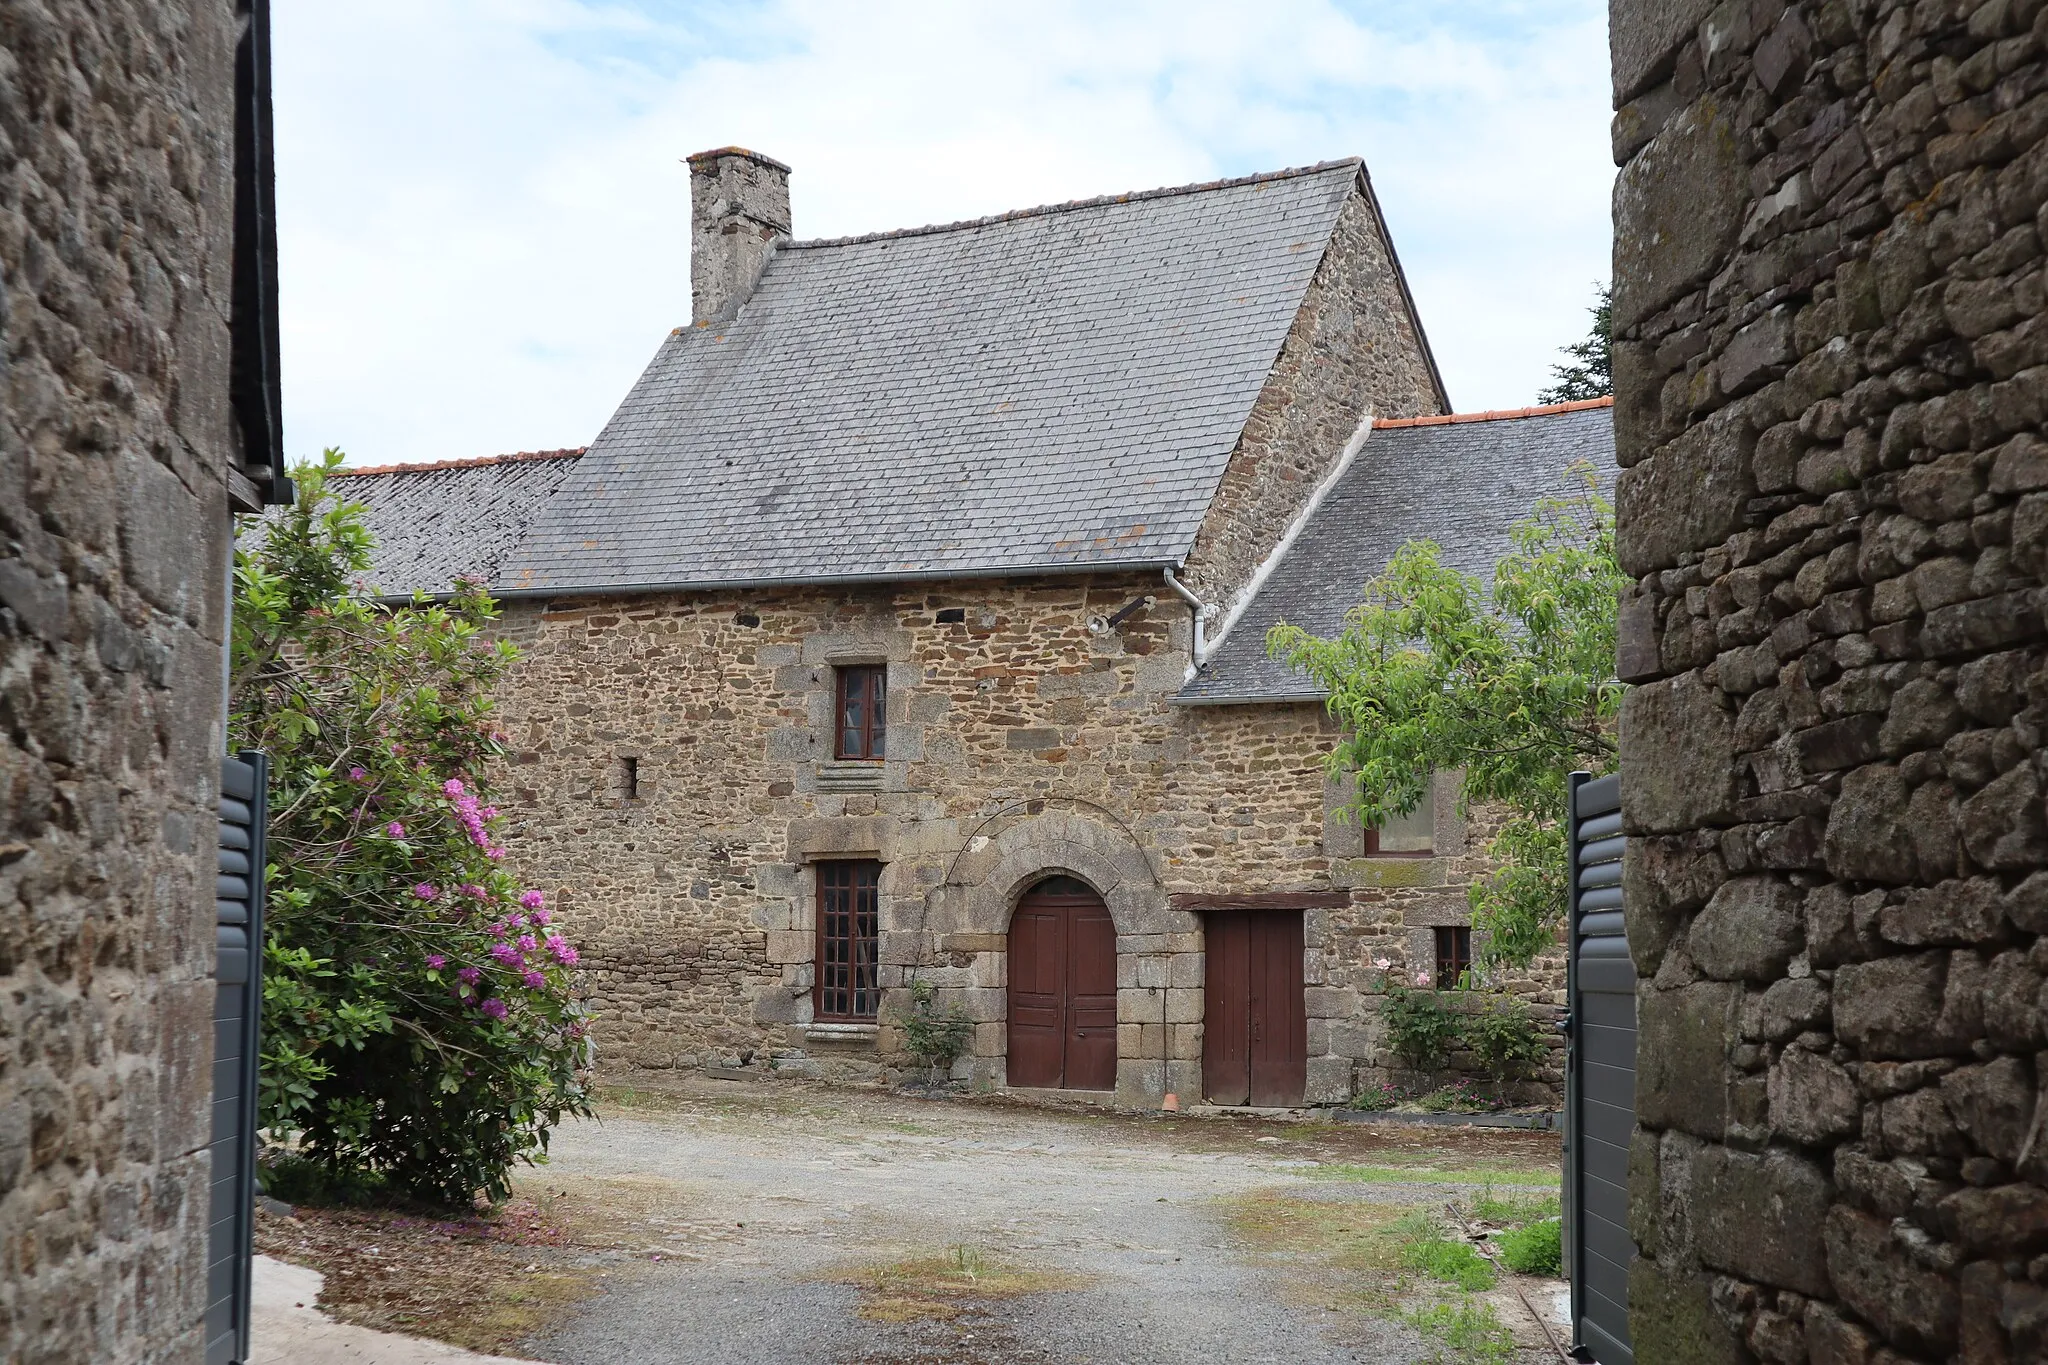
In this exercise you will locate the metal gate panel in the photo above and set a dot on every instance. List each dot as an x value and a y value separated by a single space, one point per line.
1600 1075
238 996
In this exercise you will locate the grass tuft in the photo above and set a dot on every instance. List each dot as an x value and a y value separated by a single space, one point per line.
1537 1249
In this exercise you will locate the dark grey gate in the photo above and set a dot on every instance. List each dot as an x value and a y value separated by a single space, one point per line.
1600 1076
238 920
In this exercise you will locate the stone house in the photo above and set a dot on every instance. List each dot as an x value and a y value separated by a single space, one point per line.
138 413
904 625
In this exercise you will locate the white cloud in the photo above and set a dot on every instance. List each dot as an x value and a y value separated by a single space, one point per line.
484 211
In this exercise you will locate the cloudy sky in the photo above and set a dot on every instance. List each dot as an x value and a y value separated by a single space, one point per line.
484 211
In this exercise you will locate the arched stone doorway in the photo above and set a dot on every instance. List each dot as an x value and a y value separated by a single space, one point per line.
1063 988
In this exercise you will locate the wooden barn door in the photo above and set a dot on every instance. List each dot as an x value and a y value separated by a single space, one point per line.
1255 1029
1062 989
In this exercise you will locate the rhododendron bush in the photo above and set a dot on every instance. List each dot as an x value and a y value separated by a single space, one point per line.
420 1030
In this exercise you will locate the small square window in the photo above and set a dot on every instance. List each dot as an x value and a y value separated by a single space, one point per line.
1453 956
1405 836
861 696
848 915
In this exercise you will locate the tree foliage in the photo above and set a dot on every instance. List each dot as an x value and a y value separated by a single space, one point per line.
419 1027
1515 686
1590 371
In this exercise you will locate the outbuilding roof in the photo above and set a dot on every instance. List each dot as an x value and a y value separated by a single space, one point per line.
1462 481
451 519
1051 389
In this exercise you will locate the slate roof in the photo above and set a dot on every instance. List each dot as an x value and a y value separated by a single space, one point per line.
1056 388
1461 481
437 522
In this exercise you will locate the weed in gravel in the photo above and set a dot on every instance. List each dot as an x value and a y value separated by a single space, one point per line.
941 1287
1431 1175
1537 1249
1468 1326
1510 1212
1425 1248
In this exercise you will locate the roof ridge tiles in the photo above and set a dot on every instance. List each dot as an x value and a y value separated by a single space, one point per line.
566 453
1043 210
1493 415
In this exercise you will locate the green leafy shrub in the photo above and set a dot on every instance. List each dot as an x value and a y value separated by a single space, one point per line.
1420 1030
1507 1042
1377 1098
420 1033
1459 1097
934 1038
1535 1248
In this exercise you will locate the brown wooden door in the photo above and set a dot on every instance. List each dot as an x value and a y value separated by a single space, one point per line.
1062 989
1255 1028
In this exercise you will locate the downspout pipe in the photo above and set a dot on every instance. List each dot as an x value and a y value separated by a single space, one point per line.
1199 607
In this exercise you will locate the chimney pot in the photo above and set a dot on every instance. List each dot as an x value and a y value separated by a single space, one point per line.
739 210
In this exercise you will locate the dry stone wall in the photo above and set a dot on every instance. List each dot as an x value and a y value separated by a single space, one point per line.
1832 379
115 198
1021 743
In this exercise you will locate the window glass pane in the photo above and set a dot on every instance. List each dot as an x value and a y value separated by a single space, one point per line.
1414 832
847 932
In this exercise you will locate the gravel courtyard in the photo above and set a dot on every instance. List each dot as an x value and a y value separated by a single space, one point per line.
777 1223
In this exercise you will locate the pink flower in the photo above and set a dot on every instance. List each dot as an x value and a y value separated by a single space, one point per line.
473 891
528 942
559 946
494 853
1422 978
540 917
531 900
498 929
494 1007
471 975
356 774
533 979
489 812
395 830
426 891
1383 963
507 955
453 786
436 961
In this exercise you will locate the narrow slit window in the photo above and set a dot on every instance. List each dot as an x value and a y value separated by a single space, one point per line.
629 779
861 703
1453 956
848 914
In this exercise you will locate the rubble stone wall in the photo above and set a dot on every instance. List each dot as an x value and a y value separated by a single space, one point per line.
1832 378
1021 744
115 201
1353 352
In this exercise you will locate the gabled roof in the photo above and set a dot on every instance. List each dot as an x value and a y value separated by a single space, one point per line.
1048 390
1462 481
438 522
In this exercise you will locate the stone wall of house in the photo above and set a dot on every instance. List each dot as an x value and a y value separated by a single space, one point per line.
1021 743
1832 375
1353 347
115 196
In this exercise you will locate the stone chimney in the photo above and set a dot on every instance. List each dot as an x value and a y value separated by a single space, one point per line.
739 207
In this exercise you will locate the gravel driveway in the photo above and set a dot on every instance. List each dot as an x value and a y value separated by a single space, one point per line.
758 1209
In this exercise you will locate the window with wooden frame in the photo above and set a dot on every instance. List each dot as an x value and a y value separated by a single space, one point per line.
848 919
1453 955
860 701
1405 836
